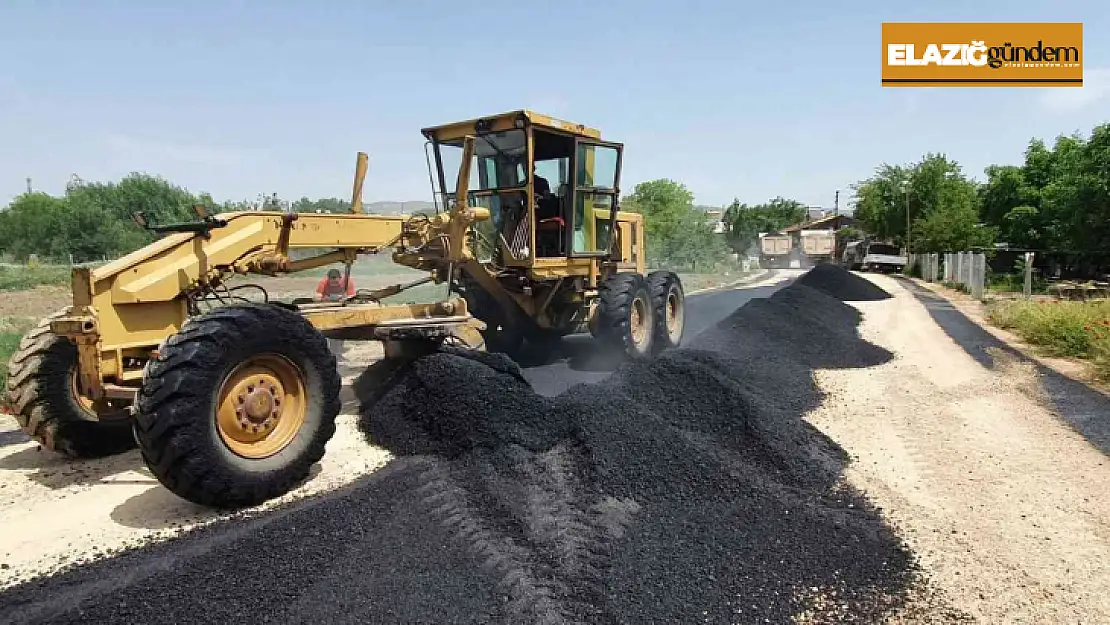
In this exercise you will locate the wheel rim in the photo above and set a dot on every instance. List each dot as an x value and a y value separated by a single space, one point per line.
261 406
638 321
675 314
83 402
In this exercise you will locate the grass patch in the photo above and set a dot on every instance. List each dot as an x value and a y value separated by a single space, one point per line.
12 330
1061 328
957 286
1015 283
19 278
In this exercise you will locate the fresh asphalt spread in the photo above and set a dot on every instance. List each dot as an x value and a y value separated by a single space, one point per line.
684 489
576 360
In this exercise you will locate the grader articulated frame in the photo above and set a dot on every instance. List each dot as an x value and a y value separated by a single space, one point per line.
230 406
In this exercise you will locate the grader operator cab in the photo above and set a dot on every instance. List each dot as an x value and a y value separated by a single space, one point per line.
231 401
559 256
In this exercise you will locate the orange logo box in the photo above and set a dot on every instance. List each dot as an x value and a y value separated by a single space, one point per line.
982 55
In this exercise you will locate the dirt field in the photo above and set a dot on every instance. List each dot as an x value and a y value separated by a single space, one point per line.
36 303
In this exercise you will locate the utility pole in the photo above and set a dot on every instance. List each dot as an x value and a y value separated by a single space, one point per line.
29 184
907 219
836 204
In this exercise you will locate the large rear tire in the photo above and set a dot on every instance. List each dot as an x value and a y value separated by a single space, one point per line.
238 405
669 305
42 387
625 317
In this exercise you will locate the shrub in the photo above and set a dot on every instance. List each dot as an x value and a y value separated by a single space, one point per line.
12 330
1062 328
1100 347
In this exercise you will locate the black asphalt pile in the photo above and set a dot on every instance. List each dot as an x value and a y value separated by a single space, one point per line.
842 284
800 325
684 489
442 404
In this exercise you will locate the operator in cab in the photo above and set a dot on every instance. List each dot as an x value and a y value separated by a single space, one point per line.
540 186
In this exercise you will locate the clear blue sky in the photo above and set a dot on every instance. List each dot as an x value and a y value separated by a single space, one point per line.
747 100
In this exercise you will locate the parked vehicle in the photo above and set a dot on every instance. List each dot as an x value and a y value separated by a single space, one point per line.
873 256
818 246
775 250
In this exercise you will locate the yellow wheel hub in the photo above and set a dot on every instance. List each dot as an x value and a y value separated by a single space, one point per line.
674 314
85 403
640 327
261 406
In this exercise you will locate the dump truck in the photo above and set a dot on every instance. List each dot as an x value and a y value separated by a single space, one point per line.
818 246
775 250
231 400
869 255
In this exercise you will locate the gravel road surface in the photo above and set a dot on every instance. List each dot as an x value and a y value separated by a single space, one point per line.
577 361
680 489
800 462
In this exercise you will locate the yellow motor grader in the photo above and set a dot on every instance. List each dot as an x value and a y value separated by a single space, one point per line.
231 401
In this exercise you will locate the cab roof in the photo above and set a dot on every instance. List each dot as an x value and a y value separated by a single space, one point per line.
506 121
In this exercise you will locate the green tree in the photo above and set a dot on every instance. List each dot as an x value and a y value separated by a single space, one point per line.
1005 188
880 202
29 222
743 223
1021 227
678 234
1057 199
933 197
326 205
93 220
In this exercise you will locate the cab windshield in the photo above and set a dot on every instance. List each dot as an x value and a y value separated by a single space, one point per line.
499 161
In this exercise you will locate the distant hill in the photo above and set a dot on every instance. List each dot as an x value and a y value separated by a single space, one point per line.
398 208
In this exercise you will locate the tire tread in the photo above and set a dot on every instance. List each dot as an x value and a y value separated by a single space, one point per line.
179 384
38 387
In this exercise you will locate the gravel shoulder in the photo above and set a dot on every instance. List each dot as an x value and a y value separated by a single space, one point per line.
993 469
976 312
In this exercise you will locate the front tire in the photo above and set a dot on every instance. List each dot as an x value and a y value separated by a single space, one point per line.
42 386
238 406
625 317
669 307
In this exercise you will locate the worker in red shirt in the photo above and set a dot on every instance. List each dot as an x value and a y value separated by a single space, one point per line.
332 289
